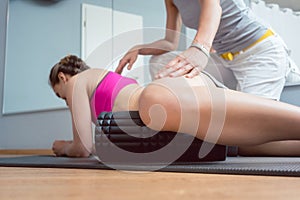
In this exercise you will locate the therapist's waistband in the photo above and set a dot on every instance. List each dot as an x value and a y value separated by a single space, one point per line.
230 55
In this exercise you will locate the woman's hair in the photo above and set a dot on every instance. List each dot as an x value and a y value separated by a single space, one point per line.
70 64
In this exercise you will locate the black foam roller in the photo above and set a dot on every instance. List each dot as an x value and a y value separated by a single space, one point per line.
127 131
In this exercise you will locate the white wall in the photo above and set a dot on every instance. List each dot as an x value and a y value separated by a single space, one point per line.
293 4
284 21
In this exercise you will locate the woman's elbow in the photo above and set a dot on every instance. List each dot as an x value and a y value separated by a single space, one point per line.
85 154
81 154
81 151
86 151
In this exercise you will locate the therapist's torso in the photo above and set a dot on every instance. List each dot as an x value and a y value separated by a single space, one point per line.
238 26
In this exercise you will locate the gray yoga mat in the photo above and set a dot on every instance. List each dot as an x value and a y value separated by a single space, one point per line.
270 166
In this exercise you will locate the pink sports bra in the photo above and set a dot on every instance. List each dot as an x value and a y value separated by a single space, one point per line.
106 92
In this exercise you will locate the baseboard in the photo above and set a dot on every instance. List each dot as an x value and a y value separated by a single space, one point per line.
26 152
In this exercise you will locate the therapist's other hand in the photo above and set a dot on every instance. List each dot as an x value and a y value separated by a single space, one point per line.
189 63
129 59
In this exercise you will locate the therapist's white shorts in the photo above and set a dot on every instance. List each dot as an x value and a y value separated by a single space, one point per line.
261 70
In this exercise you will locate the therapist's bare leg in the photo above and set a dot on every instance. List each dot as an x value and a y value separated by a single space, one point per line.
249 120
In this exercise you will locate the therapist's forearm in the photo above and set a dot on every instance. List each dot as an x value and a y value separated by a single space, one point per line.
156 48
209 21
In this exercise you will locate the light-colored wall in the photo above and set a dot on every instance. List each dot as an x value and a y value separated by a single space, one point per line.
293 4
39 32
32 129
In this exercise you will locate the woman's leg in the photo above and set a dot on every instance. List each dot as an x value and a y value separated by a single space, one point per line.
196 106
278 148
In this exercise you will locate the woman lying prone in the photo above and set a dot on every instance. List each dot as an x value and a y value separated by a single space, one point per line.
194 106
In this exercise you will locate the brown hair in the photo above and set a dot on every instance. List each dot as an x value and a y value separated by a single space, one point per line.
70 64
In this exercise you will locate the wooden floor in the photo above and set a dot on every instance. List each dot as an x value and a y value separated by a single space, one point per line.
50 183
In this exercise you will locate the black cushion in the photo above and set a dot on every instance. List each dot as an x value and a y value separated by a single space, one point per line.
127 131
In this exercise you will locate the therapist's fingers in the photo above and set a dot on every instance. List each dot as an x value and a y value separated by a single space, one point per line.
129 59
164 72
121 66
171 67
130 63
195 72
182 70
174 62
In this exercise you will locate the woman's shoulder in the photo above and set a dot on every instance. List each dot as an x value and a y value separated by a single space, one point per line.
87 77
95 71
90 78
92 74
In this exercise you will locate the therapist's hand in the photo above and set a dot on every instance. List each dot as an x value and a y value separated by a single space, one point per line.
189 63
129 59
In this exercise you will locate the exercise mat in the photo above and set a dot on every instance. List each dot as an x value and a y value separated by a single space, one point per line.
269 166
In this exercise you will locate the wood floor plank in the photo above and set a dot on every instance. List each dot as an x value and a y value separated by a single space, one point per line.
50 183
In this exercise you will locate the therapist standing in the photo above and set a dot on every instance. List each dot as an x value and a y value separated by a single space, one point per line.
256 56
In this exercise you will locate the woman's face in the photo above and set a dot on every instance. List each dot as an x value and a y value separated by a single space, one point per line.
60 88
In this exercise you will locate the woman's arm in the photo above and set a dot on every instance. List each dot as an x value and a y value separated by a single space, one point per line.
71 148
168 43
78 102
